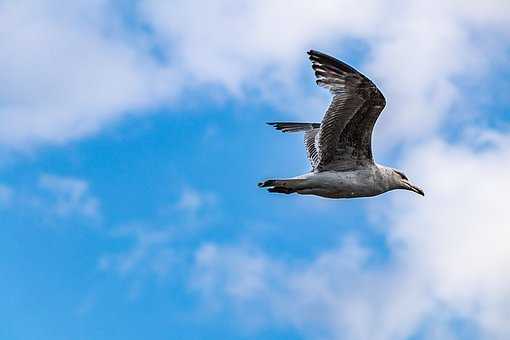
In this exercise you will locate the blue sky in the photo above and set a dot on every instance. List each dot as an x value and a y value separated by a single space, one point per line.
132 137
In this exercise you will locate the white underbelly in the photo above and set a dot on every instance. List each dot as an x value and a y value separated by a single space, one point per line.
333 184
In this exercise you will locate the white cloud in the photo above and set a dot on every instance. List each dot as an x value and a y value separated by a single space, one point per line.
233 42
417 60
192 201
52 198
69 69
459 235
152 249
449 260
69 196
334 296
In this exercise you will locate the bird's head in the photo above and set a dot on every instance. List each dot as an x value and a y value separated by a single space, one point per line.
402 182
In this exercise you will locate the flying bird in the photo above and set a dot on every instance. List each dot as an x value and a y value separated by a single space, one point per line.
339 148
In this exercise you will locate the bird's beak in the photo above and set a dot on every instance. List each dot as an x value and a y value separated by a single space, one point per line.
409 186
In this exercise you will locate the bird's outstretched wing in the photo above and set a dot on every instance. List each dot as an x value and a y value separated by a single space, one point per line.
344 138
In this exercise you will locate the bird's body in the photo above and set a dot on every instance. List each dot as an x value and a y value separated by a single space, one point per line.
339 148
370 181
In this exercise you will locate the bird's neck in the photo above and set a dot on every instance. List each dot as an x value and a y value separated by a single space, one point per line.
386 177
384 170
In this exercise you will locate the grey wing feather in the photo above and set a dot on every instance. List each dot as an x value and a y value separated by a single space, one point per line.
311 147
293 126
340 111
346 129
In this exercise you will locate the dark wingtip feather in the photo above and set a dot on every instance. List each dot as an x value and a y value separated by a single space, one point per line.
266 183
276 125
313 54
280 190
328 61
293 126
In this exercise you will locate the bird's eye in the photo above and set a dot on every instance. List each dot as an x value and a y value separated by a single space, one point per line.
402 175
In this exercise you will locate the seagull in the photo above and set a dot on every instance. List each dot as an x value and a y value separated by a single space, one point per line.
339 148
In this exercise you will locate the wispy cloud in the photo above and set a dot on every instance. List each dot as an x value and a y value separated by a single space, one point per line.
53 199
157 250
192 200
151 251
69 196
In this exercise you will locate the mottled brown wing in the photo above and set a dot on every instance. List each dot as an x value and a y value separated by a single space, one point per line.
343 140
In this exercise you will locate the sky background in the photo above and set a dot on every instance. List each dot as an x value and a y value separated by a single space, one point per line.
132 137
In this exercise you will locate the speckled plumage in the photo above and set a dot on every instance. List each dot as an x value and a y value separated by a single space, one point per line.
339 148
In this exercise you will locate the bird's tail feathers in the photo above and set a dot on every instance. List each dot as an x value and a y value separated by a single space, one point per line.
294 127
284 186
281 190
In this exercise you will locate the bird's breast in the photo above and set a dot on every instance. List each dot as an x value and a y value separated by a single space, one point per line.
355 183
